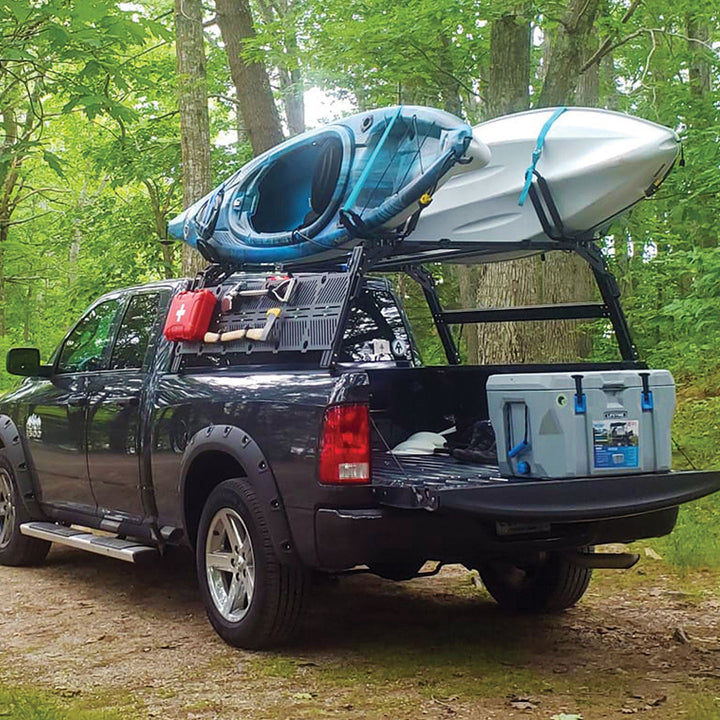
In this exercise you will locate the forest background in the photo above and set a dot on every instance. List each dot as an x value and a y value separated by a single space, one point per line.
113 116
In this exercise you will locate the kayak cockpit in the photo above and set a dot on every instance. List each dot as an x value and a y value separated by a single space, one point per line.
298 188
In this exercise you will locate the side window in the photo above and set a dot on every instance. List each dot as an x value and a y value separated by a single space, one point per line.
88 346
135 330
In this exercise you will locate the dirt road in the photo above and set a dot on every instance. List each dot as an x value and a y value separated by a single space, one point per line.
644 642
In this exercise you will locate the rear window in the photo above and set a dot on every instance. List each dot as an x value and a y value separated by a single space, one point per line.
135 331
375 330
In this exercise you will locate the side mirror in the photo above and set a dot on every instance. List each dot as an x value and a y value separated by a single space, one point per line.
26 362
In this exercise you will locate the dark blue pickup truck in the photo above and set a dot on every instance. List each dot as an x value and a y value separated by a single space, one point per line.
272 458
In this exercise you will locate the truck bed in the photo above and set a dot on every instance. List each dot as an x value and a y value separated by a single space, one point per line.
434 470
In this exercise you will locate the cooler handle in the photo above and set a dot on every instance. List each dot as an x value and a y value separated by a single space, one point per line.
520 448
524 444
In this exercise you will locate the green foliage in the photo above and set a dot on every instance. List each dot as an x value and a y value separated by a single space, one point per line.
695 541
380 52
31 704
418 313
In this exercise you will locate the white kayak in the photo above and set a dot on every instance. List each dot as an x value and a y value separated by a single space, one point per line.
597 164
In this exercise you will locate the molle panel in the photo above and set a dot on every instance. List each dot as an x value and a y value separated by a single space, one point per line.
308 321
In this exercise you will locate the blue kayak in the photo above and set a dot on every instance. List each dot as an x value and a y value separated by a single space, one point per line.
319 193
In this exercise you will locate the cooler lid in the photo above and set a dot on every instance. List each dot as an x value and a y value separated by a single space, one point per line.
593 380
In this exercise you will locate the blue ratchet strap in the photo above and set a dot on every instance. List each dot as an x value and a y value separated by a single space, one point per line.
537 152
366 170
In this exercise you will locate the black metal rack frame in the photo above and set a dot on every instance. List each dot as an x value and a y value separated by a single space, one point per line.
397 255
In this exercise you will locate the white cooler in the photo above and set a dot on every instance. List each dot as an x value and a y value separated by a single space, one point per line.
575 424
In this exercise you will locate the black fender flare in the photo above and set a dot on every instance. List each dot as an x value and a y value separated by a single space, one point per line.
237 443
13 448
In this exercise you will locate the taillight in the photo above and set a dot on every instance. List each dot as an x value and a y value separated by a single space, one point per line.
345 445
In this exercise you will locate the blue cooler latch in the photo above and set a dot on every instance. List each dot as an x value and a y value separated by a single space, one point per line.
646 399
580 397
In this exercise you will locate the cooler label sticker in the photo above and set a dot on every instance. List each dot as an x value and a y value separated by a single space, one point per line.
615 444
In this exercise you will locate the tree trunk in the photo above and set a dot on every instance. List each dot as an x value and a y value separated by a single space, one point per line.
3 297
587 92
159 207
293 90
567 51
10 182
556 277
567 278
28 311
252 85
451 100
74 252
700 69
509 73
193 104
607 81
506 283
290 75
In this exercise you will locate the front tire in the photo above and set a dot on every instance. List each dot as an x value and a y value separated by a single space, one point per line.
547 583
15 548
252 600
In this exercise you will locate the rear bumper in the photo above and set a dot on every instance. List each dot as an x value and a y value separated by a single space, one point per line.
566 500
461 524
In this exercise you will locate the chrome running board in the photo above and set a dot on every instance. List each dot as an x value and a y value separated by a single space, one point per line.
129 550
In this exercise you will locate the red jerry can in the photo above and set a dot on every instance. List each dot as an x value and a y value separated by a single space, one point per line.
190 315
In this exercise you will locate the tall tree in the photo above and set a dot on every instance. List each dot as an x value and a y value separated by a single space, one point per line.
569 47
552 278
508 76
700 69
193 104
279 18
252 85
567 278
500 284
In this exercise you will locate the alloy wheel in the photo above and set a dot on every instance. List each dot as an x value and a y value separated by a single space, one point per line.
230 565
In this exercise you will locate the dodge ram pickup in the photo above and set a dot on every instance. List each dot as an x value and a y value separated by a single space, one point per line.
273 451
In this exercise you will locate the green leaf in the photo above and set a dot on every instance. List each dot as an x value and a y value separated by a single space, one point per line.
54 162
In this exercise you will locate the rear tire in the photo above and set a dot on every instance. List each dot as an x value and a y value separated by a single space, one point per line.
548 583
252 600
15 548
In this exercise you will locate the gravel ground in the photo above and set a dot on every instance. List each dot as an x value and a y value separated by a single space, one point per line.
645 641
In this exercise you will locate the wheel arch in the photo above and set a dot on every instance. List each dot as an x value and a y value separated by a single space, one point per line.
221 452
13 448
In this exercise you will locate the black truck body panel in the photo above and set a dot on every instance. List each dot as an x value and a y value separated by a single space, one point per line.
137 450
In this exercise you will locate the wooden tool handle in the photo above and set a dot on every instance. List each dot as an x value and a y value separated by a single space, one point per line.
224 337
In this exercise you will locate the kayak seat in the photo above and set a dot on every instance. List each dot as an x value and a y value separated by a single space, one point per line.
324 180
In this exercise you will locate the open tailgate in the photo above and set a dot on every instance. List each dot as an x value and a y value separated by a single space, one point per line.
437 483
